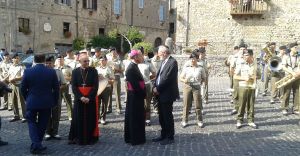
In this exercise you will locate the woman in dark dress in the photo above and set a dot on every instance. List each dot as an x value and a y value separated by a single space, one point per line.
84 126
134 132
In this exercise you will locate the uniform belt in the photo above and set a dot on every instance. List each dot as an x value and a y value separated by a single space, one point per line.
194 83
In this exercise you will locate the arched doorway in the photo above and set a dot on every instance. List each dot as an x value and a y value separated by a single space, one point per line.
157 42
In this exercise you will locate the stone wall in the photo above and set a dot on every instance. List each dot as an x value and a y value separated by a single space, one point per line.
40 12
212 20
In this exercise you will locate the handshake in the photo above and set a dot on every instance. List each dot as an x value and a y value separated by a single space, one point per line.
4 89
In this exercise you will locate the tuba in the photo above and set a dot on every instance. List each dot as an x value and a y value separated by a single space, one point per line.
275 66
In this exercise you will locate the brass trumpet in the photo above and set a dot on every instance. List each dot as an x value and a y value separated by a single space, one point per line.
268 54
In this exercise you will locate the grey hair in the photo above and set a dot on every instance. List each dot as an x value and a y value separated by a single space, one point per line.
164 49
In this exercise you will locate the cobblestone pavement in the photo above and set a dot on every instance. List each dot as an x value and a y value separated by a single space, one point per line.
277 134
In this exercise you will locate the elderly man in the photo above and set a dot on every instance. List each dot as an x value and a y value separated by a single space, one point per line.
166 90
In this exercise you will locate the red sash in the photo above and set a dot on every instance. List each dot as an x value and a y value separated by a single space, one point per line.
85 91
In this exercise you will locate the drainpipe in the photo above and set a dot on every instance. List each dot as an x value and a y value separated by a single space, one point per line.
187 25
77 19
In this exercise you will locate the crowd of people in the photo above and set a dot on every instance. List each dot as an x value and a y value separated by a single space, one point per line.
87 82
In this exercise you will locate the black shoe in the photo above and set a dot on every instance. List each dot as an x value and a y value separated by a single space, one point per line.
2 143
272 102
38 151
233 112
9 109
47 137
108 111
167 141
148 123
14 119
158 139
24 120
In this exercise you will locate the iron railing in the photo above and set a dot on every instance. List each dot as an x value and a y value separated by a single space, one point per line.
248 7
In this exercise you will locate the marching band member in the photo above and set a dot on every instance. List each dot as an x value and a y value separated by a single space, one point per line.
4 67
104 73
267 73
235 62
15 73
146 68
291 62
227 63
192 77
246 74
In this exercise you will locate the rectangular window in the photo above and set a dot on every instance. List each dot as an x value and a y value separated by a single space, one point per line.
172 28
141 4
23 25
161 13
101 31
66 27
117 7
89 4
66 2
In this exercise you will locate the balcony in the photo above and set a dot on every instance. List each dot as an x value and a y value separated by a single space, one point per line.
248 7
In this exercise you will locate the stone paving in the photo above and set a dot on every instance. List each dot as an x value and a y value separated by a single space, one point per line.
277 134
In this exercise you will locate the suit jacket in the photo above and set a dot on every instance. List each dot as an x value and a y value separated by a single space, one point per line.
168 84
40 87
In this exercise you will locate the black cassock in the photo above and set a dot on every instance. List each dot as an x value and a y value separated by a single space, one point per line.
84 126
135 112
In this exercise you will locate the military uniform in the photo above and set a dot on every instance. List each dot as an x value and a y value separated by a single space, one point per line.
292 63
235 62
192 77
146 68
246 91
65 90
16 72
4 67
116 64
104 98
53 124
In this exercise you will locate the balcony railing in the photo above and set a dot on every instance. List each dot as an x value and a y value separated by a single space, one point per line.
248 7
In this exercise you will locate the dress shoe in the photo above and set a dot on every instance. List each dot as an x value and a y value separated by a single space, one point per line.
2 143
56 137
37 151
47 137
253 125
167 141
158 139
148 123
9 109
14 119
272 102
103 122
23 120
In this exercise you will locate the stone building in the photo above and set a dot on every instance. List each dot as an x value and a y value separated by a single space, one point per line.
46 24
225 22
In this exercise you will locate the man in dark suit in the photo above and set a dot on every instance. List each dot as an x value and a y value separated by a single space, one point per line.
40 89
166 90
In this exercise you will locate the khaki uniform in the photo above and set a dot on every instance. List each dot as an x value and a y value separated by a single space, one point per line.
268 75
4 67
146 68
116 64
204 87
71 63
192 90
246 93
65 90
16 71
53 124
236 62
276 93
292 63
104 98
